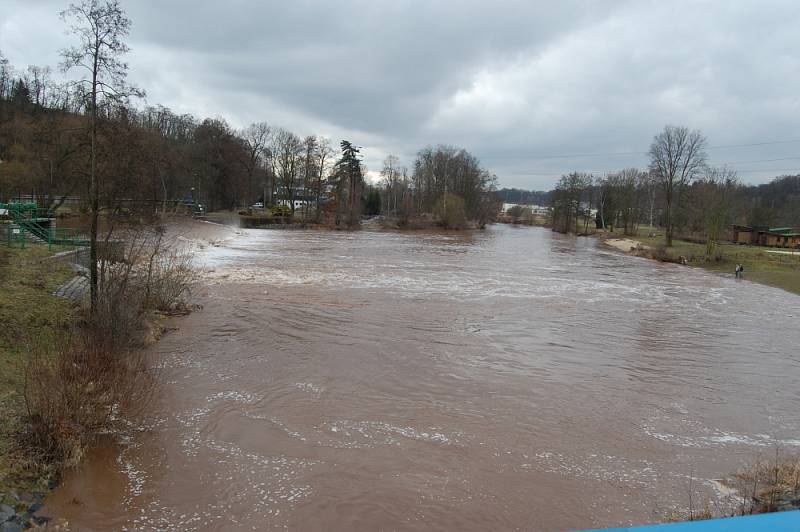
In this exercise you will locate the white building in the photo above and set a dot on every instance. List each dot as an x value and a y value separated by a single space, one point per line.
298 203
540 210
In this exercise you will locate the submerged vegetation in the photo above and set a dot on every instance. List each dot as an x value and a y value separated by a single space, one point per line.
761 486
75 374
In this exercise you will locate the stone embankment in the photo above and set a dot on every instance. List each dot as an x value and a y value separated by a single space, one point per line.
77 288
19 511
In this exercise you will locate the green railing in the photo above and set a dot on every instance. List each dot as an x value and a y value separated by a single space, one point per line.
28 218
34 228
66 237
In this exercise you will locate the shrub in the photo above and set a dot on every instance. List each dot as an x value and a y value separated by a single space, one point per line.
168 278
95 379
257 221
521 214
515 212
768 485
451 211
76 389
280 210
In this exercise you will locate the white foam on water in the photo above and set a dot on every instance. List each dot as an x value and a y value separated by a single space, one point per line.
598 467
233 395
310 388
360 433
696 435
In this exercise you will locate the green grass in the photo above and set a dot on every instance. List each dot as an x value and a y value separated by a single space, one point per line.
773 269
27 311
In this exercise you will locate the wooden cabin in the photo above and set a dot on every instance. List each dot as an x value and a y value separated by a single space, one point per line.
778 237
743 234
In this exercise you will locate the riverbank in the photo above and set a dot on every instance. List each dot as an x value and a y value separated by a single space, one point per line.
40 331
28 310
377 223
761 265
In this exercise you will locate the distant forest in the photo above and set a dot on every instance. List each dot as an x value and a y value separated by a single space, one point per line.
526 197
776 203
150 159
679 191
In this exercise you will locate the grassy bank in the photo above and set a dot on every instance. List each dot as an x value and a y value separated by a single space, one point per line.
774 269
70 375
27 310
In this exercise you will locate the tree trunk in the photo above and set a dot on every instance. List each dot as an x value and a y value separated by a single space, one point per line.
668 220
94 192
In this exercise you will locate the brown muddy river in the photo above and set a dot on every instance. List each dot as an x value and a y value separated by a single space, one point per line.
511 379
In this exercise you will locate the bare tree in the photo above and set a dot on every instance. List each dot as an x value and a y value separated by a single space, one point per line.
718 187
391 175
568 200
649 182
310 148
447 170
6 77
287 149
677 155
324 157
626 182
255 138
602 200
40 85
100 28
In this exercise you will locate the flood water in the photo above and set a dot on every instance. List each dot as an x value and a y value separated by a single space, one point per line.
497 380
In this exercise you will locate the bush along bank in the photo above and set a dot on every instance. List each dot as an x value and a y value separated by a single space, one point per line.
763 486
89 376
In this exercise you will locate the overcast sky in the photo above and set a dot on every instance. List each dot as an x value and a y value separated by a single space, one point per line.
535 89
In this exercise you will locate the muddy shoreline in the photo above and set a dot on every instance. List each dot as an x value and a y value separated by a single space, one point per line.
29 509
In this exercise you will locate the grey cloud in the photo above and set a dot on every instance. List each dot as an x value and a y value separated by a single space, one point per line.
506 80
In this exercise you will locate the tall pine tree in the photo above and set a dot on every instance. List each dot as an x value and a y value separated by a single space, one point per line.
350 183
